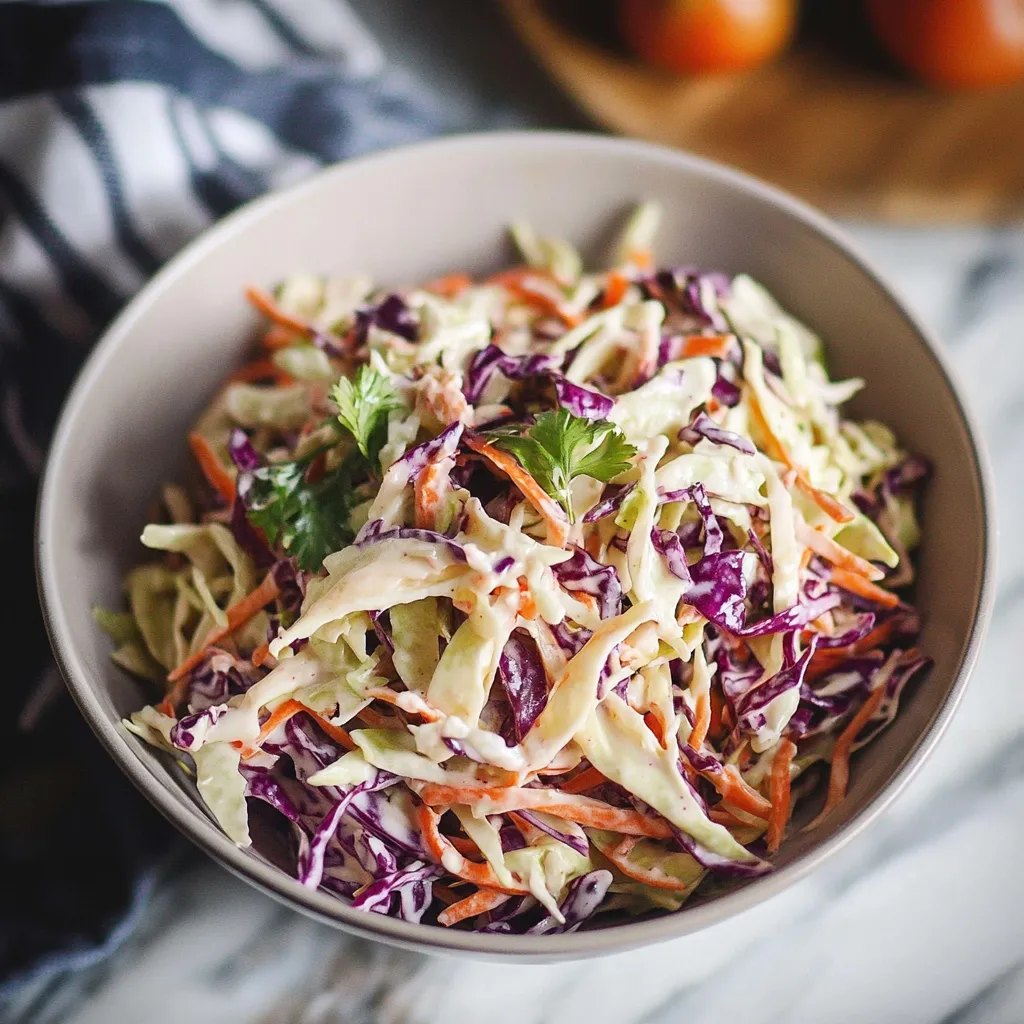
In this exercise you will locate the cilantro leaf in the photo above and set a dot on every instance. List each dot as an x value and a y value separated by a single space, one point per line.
558 447
363 405
308 520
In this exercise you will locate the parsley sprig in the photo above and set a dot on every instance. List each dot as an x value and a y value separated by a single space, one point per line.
363 405
558 447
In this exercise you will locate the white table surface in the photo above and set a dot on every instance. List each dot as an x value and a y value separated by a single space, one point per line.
920 919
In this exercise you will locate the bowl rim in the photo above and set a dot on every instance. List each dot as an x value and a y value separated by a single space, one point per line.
329 909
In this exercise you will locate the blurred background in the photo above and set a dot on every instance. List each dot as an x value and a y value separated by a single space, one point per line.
903 118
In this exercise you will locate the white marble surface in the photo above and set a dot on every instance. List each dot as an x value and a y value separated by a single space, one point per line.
919 920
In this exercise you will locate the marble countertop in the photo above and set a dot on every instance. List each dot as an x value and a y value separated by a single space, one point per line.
921 919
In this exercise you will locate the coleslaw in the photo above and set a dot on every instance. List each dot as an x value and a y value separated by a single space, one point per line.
520 601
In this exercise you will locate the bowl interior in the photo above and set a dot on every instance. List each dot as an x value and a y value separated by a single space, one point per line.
418 213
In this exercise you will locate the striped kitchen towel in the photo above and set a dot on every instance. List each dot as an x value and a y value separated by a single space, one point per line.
126 127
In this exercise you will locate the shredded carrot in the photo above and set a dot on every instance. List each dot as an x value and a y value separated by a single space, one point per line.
449 286
835 553
657 727
375 720
839 777
165 707
703 721
581 809
589 778
278 337
618 854
527 605
777 450
445 895
779 787
270 309
520 281
734 788
715 724
429 488
615 289
558 526
451 860
287 710
824 661
714 345
259 369
856 584
388 696
217 476
260 655
465 846
237 615
479 903
642 259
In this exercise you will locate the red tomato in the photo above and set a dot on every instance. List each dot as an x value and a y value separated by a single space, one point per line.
957 43
690 36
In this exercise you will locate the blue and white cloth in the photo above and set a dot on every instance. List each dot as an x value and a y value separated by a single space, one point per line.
126 127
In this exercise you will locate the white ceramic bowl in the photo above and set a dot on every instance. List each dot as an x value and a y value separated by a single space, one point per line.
421 211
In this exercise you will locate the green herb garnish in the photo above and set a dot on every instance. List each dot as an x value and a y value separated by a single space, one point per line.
558 447
363 405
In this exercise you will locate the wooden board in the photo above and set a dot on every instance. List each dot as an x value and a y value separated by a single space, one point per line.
855 141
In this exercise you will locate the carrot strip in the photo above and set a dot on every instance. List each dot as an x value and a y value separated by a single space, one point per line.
479 903
618 854
779 787
714 345
642 259
777 450
237 615
265 303
259 369
429 489
216 475
824 661
732 786
278 337
260 655
449 285
715 724
165 707
703 721
581 809
589 778
451 860
375 720
839 777
518 281
856 584
287 710
551 511
465 846
657 727
615 289
835 553
415 704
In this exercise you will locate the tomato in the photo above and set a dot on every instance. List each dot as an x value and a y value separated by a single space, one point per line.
690 36
955 43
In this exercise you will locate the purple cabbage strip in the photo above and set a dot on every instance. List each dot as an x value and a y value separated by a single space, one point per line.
795 617
669 546
415 460
761 696
704 426
718 589
413 885
391 314
726 392
511 838
382 634
580 401
610 504
247 537
713 536
584 574
715 862
374 533
491 360
242 453
261 785
577 843
583 898
291 581
183 732
860 629
310 867
766 559
526 685
570 640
